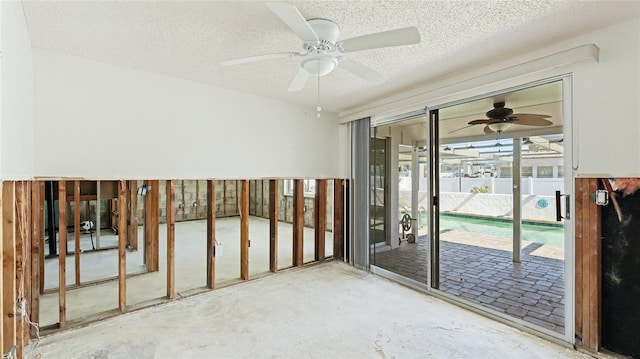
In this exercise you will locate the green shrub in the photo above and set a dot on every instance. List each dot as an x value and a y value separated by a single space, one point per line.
481 189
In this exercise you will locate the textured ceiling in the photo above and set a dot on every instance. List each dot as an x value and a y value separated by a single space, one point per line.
188 39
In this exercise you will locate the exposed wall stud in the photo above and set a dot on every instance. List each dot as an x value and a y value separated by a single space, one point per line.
338 215
122 245
211 233
36 238
8 266
62 250
273 225
171 236
152 220
244 230
298 222
132 238
76 228
320 219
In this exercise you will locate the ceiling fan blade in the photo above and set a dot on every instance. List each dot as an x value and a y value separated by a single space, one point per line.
531 120
459 129
479 122
488 131
362 71
299 80
290 15
397 37
244 60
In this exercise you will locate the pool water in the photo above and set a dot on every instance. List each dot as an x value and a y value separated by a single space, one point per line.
530 232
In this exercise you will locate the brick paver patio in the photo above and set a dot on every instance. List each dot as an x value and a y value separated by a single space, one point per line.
479 268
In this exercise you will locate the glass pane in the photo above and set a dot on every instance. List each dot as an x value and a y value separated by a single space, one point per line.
476 214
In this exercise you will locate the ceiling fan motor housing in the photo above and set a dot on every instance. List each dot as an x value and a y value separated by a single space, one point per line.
327 30
499 112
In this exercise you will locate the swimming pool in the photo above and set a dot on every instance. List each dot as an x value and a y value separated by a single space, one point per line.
530 232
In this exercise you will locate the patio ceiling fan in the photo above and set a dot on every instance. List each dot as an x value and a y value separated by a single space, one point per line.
323 52
500 118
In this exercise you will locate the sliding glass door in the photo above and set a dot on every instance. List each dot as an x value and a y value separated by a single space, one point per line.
496 239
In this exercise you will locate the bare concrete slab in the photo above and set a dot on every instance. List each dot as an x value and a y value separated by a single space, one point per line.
330 310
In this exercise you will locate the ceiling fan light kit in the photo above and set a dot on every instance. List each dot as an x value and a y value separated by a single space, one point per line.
320 65
323 51
499 126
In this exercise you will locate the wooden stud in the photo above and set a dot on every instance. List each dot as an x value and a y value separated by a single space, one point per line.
184 204
320 219
579 240
298 222
132 238
273 225
8 266
262 198
171 236
41 234
211 234
197 199
122 245
62 250
76 227
244 230
338 215
585 260
26 275
595 267
152 220
20 239
224 197
36 235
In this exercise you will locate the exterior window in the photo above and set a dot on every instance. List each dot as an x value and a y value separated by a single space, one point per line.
527 171
561 171
545 171
309 187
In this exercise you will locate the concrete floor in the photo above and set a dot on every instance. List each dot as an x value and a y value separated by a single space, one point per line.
94 301
330 310
479 268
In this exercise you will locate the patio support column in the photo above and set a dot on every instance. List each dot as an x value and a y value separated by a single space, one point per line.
415 187
517 199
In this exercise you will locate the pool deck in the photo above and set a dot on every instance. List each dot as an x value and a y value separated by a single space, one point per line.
479 268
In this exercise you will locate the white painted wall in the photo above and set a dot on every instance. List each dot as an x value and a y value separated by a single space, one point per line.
16 99
606 109
99 121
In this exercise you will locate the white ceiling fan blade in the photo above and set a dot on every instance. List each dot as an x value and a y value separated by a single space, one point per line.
245 60
290 15
397 37
299 80
361 70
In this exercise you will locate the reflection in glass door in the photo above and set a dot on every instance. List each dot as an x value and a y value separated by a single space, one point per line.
495 239
378 192
399 201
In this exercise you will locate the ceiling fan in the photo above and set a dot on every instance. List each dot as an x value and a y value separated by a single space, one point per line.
500 118
322 50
